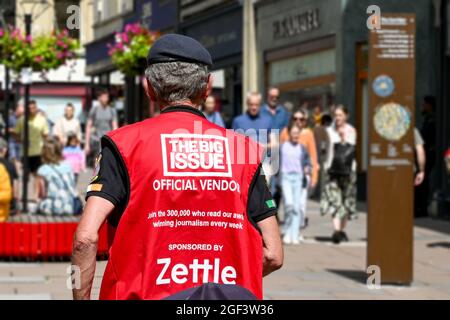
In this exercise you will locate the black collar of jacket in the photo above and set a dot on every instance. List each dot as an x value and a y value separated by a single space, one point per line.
183 108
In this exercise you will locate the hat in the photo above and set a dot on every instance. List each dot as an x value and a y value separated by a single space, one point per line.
175 47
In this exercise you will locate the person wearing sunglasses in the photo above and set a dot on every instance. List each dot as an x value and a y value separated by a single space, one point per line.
306 137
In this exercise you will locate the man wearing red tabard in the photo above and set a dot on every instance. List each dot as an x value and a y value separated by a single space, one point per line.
187 198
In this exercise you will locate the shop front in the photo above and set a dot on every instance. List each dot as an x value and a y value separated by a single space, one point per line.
221 34
316 52
297 43
129 98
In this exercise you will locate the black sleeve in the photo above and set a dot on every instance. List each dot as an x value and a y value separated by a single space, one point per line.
260 202
110 181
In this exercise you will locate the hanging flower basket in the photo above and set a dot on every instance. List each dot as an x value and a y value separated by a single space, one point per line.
130 48
42 53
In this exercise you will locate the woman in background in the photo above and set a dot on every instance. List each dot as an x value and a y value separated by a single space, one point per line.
306 137
339 194
213 116
56 181
295 167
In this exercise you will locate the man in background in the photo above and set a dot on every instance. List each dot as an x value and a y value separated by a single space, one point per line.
275 111
38 131
101 120
428 133
254 123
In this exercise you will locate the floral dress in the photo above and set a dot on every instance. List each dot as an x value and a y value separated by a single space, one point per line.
338 196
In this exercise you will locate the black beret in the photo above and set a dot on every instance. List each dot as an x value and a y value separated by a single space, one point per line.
176 47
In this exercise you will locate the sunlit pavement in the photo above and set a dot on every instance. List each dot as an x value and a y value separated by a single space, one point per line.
316 269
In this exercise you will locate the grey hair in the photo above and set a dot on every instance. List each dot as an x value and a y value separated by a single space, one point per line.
178 81
253 94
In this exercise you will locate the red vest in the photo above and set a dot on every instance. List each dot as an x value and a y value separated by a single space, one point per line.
186 220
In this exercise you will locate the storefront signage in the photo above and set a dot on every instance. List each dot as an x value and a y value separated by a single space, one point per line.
221 35
391 139
296 24
303 67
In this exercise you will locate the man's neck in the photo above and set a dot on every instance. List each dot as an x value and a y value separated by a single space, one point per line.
272 109
181 103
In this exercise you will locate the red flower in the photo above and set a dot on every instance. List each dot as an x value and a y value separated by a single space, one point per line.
60 55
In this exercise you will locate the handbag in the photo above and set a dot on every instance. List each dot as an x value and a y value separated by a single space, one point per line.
76 201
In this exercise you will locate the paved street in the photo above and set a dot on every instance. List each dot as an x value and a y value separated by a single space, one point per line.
316 269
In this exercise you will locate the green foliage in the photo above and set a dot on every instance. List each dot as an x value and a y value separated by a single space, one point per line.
131 48
42 54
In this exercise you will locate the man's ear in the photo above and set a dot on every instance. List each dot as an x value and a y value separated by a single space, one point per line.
148 89
209 87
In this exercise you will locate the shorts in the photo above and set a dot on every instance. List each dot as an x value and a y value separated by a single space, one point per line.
34 163
14 151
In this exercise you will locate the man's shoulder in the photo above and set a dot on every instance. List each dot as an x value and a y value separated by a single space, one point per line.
265 118
240 119
40 119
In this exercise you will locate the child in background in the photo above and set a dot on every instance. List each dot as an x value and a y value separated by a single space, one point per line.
74 155
295 166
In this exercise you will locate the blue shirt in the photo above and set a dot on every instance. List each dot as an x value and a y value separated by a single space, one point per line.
256 127
215 118
280 119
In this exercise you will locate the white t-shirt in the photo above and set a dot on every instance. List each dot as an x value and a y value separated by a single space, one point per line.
64 126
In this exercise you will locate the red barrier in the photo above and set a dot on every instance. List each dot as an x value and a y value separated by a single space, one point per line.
43 238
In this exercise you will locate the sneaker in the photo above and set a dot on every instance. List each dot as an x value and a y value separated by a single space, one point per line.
336 237
295 242
287 239
301 238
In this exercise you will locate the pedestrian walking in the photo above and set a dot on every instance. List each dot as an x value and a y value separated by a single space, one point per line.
102 119
306 138
253 123
339 194
38 132
14 145
275 111
295 167
428 133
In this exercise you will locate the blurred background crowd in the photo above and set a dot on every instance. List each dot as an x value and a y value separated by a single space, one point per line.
297 69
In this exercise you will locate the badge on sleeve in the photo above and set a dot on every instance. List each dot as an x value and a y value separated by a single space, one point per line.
95 186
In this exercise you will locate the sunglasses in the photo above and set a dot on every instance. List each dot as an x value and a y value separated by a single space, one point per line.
300 119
